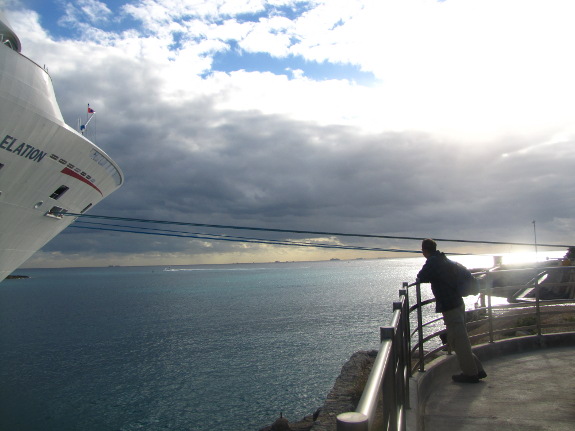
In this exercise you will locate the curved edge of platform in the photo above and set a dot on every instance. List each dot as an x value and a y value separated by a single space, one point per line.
442 368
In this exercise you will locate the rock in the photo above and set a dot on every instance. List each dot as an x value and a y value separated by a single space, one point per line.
281 424
305 424
346 391
342 398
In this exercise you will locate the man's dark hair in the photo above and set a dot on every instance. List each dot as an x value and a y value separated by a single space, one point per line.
429 244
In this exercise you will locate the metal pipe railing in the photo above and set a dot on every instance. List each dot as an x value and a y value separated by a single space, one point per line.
388 380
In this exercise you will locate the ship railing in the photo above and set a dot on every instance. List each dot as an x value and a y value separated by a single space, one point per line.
14 46
402 352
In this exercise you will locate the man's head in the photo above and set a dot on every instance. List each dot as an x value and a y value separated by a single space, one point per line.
428 246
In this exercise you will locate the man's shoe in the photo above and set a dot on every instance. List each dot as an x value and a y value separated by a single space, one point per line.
464 378
481 375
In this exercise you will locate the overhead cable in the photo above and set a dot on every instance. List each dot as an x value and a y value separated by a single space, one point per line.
138 220
218 237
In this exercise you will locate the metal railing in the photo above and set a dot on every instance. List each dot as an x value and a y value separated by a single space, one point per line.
387 386
386 394
486 322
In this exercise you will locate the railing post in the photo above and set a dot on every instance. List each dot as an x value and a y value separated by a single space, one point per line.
351 421
537 306
487 285
386 332
420 327
405 293
405 343
393 396
490 316
400 357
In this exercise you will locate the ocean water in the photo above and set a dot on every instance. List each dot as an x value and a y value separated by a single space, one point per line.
202 348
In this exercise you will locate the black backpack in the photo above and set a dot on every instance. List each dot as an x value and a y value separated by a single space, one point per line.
464 281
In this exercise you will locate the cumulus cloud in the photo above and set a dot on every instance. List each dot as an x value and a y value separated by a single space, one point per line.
468 133
92 11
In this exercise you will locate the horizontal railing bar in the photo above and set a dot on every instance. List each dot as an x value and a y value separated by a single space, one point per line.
426 302
427 355
395 318
527 269
369 396
553 325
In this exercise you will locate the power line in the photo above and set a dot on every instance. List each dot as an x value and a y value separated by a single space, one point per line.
219 237
165 222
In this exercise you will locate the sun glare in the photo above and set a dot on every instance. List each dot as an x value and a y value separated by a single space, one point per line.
528 257
488 261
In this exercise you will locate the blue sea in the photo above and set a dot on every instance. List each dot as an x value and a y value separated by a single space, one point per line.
202 348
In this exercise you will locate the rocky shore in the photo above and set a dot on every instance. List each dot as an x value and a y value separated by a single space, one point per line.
343 397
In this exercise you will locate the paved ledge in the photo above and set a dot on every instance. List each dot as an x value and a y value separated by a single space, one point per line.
530 386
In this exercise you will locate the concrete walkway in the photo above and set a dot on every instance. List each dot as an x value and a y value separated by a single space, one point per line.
530 390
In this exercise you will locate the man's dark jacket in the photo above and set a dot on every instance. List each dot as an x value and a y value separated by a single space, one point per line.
438 271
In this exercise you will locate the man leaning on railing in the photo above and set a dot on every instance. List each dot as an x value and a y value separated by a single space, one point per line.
448 301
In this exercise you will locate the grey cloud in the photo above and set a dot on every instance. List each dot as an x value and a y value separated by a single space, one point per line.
267 171
188 161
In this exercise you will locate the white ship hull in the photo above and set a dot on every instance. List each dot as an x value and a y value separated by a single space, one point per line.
46 167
